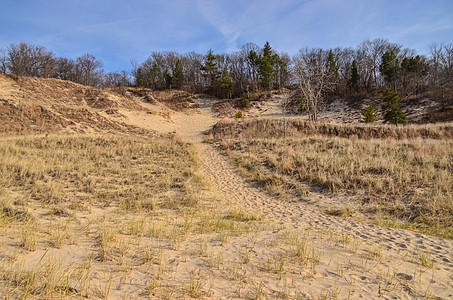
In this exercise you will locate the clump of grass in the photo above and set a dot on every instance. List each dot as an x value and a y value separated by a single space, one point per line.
426 261
242 216
49 280
29 236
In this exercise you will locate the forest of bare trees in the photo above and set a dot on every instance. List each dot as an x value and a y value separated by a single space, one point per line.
30 60
315 72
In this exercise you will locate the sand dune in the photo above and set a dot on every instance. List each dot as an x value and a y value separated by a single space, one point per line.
269 248
398 272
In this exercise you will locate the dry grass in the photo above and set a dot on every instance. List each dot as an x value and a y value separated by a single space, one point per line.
177 100
74 172
403 182
115 217
268 128
98 195
109 217
130 217
35 105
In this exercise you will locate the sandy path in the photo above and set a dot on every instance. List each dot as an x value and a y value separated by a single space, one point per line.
401 247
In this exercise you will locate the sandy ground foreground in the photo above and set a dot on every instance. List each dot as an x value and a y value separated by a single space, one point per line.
398 274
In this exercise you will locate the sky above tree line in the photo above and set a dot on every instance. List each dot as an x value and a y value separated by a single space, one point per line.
117 31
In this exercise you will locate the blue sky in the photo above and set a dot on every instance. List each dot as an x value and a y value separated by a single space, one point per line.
116 31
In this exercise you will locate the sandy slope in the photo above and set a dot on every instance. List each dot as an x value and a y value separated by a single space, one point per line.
399 272
355 260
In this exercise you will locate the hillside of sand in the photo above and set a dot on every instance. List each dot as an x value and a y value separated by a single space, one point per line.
295 251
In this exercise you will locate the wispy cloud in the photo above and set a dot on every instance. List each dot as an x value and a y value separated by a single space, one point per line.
101 26
247 21
217 14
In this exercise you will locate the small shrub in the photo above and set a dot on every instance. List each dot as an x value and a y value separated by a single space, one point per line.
245 100
370 114
303 105
239 115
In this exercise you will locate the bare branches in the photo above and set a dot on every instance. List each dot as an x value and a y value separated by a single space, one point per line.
30 60
313 78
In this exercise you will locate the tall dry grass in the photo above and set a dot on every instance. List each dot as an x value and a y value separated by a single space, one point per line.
73 171
268 128
396 175
89 193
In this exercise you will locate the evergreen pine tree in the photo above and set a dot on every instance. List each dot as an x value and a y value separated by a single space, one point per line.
354 81
332 66
392 111
225 84
254 64
389 67
332 71
370 113
178 75
210 69
155 76
266 67
168 79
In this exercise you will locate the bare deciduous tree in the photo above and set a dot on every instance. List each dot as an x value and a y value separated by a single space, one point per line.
252 52
3 62
441 70
117 79
369 58
238 71
313 78
192 69
29 60
65 69
89 70
283 71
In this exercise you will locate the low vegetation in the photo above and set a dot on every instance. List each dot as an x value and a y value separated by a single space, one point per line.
396 176
100 217
114 202
112 216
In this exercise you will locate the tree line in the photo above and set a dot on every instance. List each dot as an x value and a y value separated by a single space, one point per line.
316 72
25 59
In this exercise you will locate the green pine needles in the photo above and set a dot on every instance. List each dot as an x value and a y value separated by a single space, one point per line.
392 111
370 113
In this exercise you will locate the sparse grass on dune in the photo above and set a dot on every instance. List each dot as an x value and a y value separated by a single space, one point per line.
400 182
108 217
98 195
130 217
111 170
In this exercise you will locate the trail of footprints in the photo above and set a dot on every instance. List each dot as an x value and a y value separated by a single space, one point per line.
400 245
236 190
